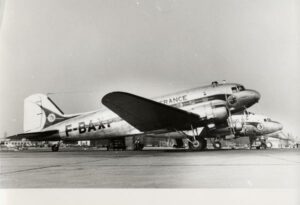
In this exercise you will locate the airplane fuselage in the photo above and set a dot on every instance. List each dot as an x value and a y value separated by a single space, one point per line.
209 102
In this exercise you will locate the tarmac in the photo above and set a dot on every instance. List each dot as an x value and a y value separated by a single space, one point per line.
273 168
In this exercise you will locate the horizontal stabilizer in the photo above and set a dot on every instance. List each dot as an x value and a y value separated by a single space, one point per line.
148 115
50 135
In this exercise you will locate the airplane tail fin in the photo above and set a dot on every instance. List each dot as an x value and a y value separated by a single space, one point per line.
41 112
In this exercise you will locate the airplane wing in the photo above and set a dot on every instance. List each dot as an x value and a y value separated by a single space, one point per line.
148 115
50 135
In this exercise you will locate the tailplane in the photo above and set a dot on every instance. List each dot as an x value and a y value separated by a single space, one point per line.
41 112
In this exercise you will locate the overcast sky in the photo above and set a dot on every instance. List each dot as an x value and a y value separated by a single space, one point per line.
85 49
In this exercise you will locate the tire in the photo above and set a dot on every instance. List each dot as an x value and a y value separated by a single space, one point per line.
269 145
263 146
55 148
202 145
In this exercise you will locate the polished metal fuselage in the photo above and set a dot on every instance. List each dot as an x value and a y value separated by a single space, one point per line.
104 123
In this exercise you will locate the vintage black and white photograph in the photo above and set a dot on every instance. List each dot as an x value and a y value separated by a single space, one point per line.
161 95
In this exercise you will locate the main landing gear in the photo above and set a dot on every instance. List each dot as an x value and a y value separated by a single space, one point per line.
138 145
55 147
269 145
262 146
197 141
198 144
262 143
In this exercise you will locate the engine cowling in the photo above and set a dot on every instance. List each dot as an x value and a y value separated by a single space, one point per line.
209 112
238 126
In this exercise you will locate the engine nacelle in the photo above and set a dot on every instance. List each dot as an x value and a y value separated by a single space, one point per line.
209 112
238 126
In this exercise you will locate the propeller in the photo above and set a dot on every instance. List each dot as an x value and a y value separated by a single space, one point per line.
229 120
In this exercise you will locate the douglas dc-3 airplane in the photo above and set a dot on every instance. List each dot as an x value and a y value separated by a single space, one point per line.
129 115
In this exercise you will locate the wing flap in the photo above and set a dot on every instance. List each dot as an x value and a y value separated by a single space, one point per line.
50 135
148 115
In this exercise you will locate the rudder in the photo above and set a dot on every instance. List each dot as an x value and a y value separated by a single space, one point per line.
40 112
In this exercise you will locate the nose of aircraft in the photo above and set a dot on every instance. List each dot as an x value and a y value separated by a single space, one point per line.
243 99
257 95
271 127
253 96
276 126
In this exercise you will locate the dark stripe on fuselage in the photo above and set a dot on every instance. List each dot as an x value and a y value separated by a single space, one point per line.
184 104
252 123
200 100
83 127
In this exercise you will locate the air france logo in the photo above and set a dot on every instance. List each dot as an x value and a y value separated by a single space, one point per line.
51 117
260 126
173 100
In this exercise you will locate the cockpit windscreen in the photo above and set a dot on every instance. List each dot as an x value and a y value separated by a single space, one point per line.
237 88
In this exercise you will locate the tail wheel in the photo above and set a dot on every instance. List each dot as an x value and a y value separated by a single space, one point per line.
217 145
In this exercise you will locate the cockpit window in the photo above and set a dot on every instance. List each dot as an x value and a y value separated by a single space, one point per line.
237 89
241 88
234 89
267 120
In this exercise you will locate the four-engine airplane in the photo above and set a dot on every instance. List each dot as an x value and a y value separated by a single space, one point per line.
256 127
130 115
247 124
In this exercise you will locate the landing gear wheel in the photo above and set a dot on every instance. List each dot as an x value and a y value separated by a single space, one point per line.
263 146
198 144
138 146
55 148
269 145
217 145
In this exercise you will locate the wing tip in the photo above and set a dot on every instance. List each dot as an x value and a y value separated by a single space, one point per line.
106 98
